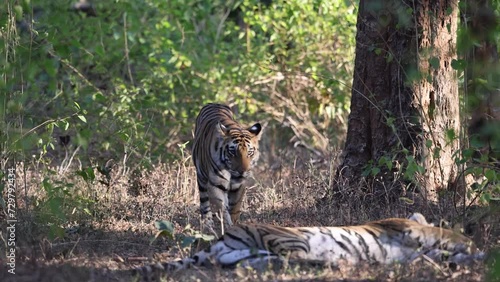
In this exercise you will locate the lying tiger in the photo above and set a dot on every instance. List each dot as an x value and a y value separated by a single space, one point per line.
383 241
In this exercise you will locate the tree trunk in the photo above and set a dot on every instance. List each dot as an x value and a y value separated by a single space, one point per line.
404 119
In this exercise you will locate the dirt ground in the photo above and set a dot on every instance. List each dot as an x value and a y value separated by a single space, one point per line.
117 233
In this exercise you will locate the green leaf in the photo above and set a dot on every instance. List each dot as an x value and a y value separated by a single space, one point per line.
173 59
390 121
83 174
164 225
389 165
491 175
90 172
64 124
486 197
166 229
18 10
82 118
467 153
187 241
434 62
367 169
83 137
450 135
428 143
98 97
87 174
47 186
389 58
458 65
436 153
56 232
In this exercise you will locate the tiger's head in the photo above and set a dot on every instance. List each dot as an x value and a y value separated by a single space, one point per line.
240 148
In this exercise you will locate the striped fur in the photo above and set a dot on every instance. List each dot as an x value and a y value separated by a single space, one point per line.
383 241
223 154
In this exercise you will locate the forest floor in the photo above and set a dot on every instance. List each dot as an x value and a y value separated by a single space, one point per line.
117 233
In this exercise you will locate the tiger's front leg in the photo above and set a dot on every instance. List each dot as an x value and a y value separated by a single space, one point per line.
214 200
220 205
236 195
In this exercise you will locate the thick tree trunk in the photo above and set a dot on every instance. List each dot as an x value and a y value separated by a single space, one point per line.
404 108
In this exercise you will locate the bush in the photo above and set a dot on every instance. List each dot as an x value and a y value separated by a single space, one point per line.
132 78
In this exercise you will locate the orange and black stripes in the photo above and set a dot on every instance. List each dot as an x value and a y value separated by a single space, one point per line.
223 153
384 241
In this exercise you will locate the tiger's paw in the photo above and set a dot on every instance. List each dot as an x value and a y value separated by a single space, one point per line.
209 227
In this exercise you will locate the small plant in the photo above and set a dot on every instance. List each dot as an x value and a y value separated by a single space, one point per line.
60 205
485 185
186 238
493 263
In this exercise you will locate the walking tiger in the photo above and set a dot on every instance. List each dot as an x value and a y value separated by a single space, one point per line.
223 153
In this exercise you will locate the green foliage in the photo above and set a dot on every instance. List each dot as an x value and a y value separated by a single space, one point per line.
60 205
306 50
130 80
386 163
478 64
486 186
133 78
493 273
165 228
187 237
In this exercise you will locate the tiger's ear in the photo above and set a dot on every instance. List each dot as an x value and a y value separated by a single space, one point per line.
255 129
223 130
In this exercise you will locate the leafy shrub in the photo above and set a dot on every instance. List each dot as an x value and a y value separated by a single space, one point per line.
132 78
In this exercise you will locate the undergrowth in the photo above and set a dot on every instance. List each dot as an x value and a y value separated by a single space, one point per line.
101 225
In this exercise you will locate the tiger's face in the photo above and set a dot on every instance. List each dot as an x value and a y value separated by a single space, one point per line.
240 148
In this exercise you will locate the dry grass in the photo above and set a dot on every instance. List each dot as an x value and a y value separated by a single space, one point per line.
116 236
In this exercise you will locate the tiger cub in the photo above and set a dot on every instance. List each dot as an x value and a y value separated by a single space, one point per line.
224 152
383 241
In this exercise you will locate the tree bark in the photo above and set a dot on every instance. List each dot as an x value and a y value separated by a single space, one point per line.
404 116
